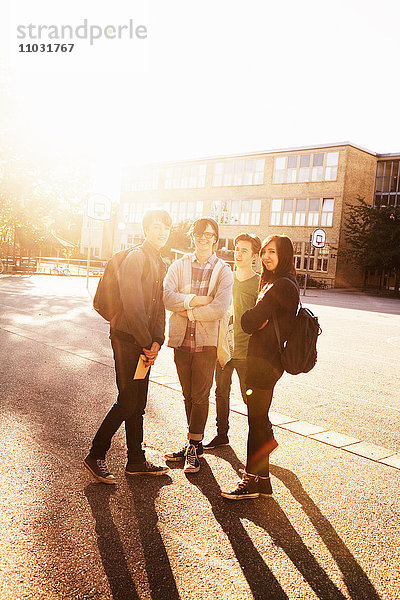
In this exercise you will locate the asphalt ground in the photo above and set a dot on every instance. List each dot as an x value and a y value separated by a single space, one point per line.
331 529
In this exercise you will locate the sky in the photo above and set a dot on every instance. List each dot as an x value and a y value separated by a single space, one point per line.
210 78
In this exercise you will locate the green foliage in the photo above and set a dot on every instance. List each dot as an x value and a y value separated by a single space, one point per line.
373 235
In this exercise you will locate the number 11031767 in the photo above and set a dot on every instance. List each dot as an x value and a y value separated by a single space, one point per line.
45 47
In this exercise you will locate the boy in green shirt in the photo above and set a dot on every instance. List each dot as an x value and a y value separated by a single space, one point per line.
244 296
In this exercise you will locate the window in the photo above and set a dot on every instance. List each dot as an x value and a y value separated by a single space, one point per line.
185 176
132 212
300 215
332 159
387 181
317 168
304 171
239 172
287 217
255 213
237 212
319 257
302 211
313 211
280 169
276 208
320 166
298 254
143 178
322 255
327 212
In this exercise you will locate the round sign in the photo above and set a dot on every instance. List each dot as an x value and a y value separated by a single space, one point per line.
318 238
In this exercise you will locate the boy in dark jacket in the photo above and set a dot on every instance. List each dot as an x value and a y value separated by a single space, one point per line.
138 329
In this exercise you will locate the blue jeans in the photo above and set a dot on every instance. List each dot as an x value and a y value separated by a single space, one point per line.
223 379
130 404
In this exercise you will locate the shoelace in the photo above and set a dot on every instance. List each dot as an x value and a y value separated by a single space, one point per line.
103 467
245 480
191 456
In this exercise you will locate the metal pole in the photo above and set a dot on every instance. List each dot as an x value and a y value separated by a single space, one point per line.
308 267
88 256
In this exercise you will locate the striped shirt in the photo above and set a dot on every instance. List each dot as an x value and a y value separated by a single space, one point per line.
201 275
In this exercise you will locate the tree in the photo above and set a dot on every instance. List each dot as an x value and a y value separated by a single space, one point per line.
178 239
35 199
373 235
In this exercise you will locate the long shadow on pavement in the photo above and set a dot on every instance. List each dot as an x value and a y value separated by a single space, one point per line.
109 543
158 569
285 536
259 577
356 580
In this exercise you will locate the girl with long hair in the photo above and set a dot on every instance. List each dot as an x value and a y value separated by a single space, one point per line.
279 295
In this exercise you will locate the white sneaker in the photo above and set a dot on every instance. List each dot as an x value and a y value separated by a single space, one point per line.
192 464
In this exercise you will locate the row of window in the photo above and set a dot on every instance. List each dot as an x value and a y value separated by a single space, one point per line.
299 168
302 211
143 179
289 211
182 210
236 212
188 176
293 168
239 172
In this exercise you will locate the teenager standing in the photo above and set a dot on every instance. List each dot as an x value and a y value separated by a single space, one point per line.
244 296
280 296
138 329
197 289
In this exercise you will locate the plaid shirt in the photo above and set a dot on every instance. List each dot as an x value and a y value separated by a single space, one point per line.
201 275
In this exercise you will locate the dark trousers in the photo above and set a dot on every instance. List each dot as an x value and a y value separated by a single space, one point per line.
130 404
260 432
196 375
223 379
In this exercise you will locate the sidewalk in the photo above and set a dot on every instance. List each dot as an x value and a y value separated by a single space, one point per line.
330 530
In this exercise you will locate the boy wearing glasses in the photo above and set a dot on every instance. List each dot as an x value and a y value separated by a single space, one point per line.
197 290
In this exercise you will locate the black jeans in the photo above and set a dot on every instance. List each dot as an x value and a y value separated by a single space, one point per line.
223 379
130 404
260 432
196 375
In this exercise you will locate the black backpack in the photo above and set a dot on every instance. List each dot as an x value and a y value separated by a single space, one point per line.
107 299
299 352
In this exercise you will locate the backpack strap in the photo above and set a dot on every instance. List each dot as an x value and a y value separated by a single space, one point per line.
275 320
295 285
277 331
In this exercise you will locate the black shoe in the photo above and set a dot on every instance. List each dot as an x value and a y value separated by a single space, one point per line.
145 468
219 440
98 469
180 455
247 488
264 486
192 464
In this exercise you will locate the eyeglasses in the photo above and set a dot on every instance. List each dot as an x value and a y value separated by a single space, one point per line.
206 234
